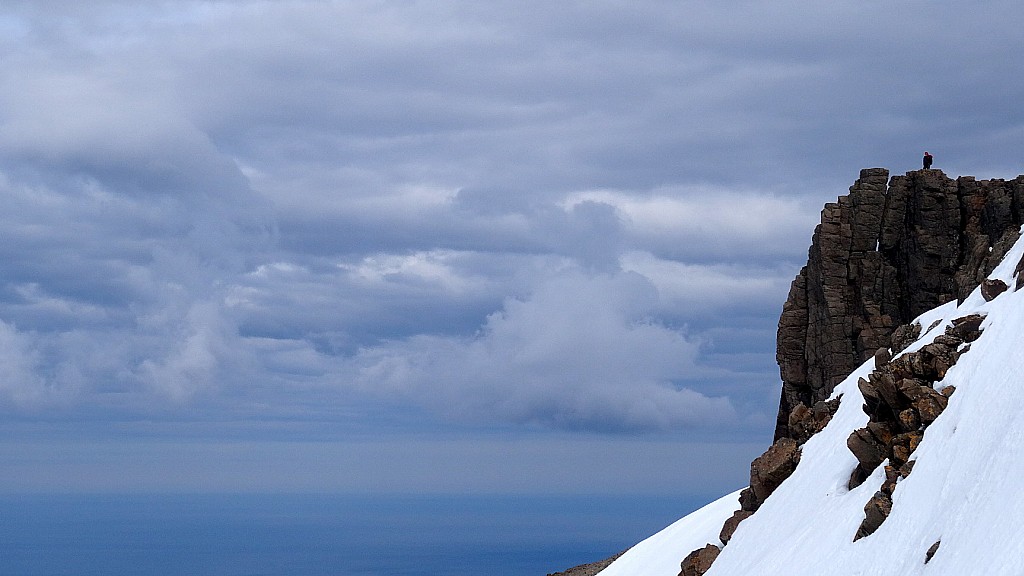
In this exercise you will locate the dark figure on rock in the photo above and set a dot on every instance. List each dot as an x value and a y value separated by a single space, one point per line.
927 161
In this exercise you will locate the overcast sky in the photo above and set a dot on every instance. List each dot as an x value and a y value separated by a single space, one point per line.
442 246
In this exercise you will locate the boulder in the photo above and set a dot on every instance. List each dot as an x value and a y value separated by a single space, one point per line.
875 512
967 328
699 561
992 288
770 469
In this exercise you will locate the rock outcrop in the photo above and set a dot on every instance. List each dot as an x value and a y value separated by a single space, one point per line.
885 253
901 401
699 561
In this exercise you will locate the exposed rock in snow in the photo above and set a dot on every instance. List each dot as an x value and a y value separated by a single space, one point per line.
872 484
881 256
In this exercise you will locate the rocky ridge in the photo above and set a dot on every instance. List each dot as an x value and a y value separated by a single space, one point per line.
881 256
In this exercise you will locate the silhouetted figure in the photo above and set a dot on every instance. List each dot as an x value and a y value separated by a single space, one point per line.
927 160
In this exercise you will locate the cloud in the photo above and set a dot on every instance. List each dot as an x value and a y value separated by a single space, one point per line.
19 383
708 223
579 352
579 216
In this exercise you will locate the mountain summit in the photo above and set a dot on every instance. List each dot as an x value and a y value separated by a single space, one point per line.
899 447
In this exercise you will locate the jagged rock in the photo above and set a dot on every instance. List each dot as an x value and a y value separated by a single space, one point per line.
992 288
699 561
966 328
930 406
805 422
903 445
907 468
770 469
904 336
948 340
732 523
909 420
882 357
875 512
883 254
870 444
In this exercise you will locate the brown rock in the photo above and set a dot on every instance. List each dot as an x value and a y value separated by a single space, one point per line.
875 512
967 328
732 523
770 469
869 450
903 445
931 551
992 288
883 254
904 336
748 502
1018 273
805 422
930 405
909 420
699 561
882 357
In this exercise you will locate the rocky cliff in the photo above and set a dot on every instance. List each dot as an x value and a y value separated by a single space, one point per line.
883 254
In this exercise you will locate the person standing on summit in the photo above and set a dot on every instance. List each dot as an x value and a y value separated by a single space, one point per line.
927 161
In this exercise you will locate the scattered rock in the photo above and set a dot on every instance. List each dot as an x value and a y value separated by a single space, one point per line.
901 401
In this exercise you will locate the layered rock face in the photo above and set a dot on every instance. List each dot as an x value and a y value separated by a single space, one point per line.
882 255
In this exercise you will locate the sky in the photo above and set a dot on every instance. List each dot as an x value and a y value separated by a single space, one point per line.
402 246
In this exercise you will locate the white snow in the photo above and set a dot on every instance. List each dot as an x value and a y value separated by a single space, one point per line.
659 554
964 489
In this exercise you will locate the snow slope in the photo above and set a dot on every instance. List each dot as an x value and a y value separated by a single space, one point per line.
965 488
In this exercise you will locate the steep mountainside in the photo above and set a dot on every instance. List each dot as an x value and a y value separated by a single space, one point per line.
901 432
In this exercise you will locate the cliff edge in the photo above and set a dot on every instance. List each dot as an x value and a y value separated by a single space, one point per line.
887 252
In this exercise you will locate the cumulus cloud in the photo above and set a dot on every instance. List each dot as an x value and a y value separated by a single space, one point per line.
582 351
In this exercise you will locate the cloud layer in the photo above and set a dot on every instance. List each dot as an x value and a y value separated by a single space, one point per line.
574 216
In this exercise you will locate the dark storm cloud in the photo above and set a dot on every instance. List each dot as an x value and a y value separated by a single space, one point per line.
569 215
